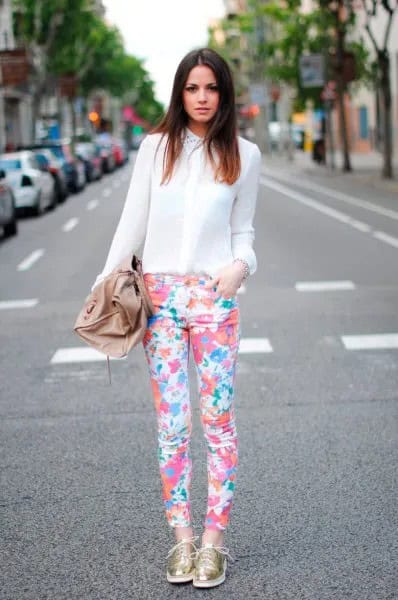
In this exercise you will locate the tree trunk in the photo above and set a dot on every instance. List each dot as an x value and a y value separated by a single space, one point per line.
341 89
385 84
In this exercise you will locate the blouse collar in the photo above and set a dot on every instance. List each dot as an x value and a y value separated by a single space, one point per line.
191 141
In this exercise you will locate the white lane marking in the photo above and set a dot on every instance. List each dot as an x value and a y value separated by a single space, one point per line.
364 227
370 342
78 355
384 237
71 224
365 204
107 192
242 289
92 204
331 212
254 346
323 286
9 304
30 260
327 210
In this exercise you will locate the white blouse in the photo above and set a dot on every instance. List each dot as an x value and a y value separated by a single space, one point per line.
193 224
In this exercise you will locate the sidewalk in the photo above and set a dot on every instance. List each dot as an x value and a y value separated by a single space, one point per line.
366 169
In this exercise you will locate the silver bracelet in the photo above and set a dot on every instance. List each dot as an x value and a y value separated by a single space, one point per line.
246 272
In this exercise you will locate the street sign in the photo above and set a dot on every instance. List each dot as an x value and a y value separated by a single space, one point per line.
14 66
312 70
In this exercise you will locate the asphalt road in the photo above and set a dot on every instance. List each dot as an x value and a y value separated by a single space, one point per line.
315 514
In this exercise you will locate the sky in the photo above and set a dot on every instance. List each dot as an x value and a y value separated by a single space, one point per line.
161 32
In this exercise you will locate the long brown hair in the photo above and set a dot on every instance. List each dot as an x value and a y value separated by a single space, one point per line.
221 135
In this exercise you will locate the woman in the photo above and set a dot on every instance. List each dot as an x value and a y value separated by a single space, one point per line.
189 209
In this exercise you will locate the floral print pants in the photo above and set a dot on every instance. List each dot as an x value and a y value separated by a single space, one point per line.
187 315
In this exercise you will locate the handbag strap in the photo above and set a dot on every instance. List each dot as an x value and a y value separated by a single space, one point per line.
136 265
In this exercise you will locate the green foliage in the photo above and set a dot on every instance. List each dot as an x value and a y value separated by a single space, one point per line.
279 33
67 36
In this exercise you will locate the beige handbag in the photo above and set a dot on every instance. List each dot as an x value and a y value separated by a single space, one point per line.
115 314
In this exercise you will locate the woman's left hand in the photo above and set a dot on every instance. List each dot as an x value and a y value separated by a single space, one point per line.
228 280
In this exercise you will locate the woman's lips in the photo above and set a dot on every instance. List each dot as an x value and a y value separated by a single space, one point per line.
202 109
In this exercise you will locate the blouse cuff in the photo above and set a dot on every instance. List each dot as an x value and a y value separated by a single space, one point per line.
246 268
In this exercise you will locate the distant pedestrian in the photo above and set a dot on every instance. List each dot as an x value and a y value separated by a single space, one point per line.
189 210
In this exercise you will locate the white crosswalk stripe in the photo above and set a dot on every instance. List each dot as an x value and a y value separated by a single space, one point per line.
12 304
252 345
323 286
78 355
380 341
81 354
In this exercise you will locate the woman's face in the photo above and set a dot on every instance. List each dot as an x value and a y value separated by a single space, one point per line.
201 96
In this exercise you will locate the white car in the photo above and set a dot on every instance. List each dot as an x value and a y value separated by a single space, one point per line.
33 188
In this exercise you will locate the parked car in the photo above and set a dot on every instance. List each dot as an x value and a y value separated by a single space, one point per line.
107 158
72 166
48 162
126 151
90 154
118 153
33 188
8 210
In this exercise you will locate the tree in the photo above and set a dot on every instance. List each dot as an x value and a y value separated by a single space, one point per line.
69 37
289 33
46 28
323 30
372 10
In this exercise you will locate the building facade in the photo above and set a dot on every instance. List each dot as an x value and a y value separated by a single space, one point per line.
15 102
366 105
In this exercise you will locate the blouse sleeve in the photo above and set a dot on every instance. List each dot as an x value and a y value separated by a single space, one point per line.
242 229
131 229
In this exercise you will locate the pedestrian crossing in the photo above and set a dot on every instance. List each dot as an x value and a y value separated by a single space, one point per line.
247 346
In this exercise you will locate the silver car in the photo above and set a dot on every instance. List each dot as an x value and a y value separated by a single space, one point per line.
33 188
8 213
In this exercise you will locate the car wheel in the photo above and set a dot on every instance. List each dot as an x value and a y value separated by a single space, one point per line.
38 209
54 200
60 191
11 228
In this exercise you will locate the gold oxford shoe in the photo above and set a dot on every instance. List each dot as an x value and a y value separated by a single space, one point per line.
210 566
180 561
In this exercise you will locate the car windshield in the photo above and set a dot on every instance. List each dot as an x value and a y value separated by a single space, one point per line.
10 164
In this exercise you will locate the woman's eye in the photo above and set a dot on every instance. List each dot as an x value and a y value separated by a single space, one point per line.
190 89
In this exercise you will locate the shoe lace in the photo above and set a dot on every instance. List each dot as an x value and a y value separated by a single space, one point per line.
179 546
205 554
